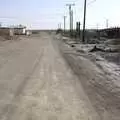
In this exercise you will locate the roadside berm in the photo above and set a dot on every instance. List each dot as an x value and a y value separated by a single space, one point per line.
97 67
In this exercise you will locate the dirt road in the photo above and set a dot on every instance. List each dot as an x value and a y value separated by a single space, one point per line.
37 84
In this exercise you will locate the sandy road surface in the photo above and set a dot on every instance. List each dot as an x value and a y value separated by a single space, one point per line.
37 84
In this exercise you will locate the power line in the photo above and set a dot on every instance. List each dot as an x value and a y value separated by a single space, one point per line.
91 2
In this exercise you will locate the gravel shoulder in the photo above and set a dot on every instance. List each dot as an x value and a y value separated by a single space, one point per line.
98 79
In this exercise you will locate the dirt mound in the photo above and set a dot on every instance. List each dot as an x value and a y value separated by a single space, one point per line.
113 42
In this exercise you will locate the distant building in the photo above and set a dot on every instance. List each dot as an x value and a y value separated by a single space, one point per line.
6 32
9 32
20 30
28 32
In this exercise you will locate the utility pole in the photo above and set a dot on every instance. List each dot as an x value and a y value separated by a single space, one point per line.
97 26
107 23
0 24
70 14
71 20
64 23
78 29
98 32
84 21
59 26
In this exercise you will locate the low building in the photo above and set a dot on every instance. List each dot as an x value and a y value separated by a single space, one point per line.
9 32
28 32
20 30
6 32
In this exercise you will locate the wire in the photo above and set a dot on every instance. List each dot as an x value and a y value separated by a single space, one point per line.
91 2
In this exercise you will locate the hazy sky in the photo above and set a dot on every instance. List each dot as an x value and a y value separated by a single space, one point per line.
43 14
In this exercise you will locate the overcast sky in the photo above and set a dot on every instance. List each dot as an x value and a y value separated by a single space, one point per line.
46 14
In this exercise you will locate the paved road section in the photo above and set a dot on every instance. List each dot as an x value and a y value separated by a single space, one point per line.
37 84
